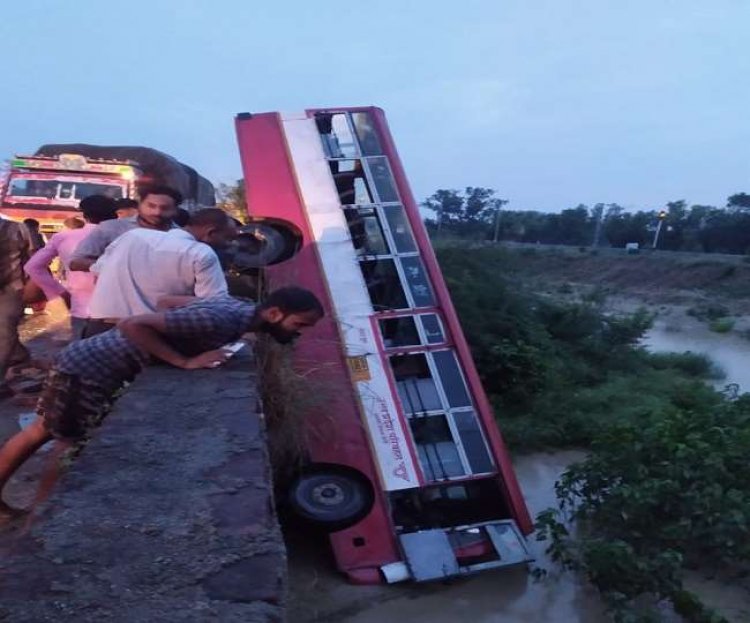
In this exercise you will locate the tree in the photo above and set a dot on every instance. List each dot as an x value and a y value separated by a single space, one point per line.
466 213
739 201
231 198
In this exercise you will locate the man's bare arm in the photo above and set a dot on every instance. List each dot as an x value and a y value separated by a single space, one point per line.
147 333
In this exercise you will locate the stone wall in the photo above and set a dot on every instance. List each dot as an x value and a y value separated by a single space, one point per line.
167 515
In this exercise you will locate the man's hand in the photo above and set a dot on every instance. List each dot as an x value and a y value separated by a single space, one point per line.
209 359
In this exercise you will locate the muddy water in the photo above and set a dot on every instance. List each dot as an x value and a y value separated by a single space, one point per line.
505 595
729 351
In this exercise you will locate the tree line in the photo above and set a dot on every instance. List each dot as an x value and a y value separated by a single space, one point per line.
478 213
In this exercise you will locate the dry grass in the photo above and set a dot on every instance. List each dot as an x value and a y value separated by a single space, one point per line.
289 398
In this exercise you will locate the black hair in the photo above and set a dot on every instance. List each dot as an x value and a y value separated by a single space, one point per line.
293 300
158 189
209 217
125 204
98 208
31 223
182 217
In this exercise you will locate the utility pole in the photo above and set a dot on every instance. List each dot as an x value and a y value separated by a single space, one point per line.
662 216
499 203
497 224
598 229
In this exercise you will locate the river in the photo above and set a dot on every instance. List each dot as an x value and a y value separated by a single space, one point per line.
729 351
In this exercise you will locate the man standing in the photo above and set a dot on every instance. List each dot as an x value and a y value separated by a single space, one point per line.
127 208
144 265
79 285
15 249
87 373
37 239
156 210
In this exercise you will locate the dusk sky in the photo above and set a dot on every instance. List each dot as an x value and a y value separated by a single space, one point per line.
551 103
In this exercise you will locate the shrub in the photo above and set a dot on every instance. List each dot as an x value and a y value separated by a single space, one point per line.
692 364
557 371
709 311
652 499
721 325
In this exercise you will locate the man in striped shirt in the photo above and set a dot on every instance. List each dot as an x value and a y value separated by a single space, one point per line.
86 373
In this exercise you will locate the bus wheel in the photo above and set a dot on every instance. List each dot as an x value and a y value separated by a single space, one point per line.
331 499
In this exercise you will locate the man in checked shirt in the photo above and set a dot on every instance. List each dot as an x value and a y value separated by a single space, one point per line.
80 385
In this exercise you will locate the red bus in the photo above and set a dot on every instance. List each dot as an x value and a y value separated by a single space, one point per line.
408 469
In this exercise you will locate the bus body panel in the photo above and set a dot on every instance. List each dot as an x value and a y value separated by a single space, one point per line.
272 192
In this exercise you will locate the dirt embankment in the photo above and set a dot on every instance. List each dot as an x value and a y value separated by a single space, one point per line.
653 277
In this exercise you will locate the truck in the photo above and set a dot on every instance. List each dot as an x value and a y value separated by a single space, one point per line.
49 185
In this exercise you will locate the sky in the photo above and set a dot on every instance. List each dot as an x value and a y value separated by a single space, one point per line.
551 103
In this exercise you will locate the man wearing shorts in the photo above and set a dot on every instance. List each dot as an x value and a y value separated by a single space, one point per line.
87 373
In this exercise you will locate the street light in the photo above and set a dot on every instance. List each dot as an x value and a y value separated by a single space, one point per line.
662 215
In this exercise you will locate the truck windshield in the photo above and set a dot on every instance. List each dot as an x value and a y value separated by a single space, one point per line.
58 189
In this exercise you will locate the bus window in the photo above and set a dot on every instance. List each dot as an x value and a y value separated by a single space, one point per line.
338 140
366 232
383 284
473 441
432 328
383 180
416 387
437 451
368 139
451 379
400 229
350 181
448 505
416 278
399 332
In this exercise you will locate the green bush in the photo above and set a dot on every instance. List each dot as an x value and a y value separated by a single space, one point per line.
708 311
654 498
692 364
721 325
557 371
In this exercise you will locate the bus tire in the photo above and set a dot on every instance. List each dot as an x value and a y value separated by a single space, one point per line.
330 498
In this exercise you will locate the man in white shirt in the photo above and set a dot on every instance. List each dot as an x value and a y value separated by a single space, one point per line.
156 211
144 265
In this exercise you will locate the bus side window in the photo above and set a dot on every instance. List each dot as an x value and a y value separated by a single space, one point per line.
368 139
437 451
338 140
433 331
366 232
416 387
383 180
383 284
399 332
400 230
351 183
451 379
473 441
416 278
